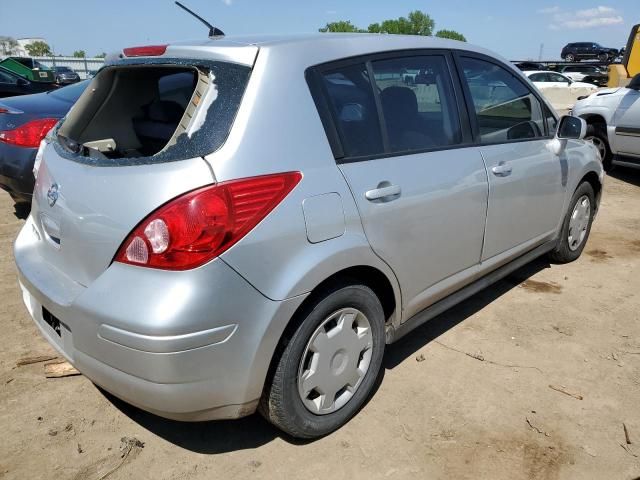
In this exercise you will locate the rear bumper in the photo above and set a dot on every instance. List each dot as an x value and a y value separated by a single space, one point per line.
184 345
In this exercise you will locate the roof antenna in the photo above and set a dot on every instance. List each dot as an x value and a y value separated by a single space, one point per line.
213 31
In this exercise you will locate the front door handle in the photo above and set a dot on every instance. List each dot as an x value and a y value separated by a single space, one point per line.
383 192
501 170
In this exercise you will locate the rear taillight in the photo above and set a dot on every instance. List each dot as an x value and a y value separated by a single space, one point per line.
29 134
198 226
146 51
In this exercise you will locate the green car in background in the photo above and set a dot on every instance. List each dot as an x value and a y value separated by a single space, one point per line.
29 68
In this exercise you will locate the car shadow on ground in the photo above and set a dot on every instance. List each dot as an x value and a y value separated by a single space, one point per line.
628 175
204 437
251 432
420 337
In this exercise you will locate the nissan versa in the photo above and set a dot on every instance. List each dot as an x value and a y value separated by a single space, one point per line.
244 223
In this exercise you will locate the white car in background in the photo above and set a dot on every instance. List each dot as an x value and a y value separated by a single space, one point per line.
613 117
546 79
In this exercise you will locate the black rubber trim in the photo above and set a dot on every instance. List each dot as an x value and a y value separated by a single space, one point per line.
395 334
628 131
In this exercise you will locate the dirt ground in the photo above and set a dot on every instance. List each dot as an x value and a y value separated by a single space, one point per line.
476 393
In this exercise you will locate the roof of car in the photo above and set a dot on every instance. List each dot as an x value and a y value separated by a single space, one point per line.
369 41
265 40
315 48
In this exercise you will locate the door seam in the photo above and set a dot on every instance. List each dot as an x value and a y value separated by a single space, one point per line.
486 212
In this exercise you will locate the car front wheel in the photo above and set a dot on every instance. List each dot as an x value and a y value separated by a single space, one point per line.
599 138
328 367
576 225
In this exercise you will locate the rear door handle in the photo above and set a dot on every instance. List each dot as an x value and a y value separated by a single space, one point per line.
383 192
501 170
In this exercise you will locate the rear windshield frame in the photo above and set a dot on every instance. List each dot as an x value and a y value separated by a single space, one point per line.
230 79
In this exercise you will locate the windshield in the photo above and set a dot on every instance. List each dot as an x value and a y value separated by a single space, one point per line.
71 93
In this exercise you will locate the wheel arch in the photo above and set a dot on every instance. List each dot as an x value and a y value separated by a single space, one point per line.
385 289
593 179
594 119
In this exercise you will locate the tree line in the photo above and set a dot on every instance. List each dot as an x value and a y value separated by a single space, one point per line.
416 23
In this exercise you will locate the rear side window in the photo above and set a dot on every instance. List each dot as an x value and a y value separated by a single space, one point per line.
505 108
417 102
555 77
538 77
354 110
153 112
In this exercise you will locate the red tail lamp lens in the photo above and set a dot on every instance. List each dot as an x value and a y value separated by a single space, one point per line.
29 134
200 225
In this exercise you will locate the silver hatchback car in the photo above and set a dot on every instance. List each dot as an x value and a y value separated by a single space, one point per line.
245 223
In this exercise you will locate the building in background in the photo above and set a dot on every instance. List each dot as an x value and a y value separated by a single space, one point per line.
21 49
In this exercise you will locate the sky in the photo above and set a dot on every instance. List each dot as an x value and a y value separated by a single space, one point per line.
516 29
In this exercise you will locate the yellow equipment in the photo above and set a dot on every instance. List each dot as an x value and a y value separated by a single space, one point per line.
621 74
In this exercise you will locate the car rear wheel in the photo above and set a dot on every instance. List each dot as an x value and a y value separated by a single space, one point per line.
576 226
328 367
603 57
570 57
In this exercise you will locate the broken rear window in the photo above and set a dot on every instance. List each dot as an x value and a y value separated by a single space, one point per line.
157 111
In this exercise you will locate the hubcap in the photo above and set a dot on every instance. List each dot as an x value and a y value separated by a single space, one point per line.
579 222
335 361
600 145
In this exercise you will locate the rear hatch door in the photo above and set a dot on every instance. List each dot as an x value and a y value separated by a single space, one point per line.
134 140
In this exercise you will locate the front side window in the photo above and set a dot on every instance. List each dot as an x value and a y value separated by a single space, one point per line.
418 103
505 108
354 110
552 122
6 78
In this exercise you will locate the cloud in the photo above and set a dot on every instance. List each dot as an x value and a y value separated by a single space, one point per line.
600 16
227 2
595 12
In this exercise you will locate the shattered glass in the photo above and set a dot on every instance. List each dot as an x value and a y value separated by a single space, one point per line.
204 135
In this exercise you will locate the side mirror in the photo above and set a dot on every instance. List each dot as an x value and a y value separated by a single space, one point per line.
635 83
569 128
22 82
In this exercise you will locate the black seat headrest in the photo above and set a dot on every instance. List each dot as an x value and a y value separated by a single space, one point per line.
164 111
400 100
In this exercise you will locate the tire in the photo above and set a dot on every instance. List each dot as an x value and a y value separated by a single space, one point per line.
598 136
570 57
603 57
285 403
573 238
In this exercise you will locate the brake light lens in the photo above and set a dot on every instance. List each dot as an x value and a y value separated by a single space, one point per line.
30 134
145 51
198 226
